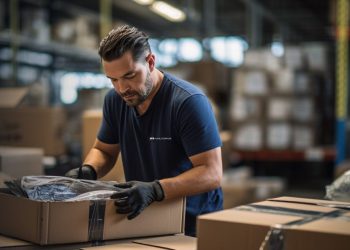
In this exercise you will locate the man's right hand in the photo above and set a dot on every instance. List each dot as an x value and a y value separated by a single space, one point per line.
86 172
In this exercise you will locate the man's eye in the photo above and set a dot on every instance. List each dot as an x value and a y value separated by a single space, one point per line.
130 76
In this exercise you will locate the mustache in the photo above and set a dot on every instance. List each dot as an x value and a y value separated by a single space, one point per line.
128 93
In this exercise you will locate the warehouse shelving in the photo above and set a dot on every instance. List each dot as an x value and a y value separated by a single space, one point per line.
311 154
52 47
65 57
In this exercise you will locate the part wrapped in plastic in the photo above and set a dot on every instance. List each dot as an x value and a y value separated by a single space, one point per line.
94 195
339 190
58 188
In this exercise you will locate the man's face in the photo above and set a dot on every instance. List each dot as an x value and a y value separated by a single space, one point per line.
132 80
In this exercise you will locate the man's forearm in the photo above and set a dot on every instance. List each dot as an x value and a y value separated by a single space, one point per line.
204 176
192 182
100 161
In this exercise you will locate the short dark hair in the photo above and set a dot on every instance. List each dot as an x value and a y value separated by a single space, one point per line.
122 39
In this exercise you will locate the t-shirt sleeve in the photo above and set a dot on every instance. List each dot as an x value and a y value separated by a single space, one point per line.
197 125
108 129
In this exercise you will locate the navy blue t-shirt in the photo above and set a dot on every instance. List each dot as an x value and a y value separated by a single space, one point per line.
179 123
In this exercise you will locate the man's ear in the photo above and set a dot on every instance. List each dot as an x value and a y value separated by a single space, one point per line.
151 59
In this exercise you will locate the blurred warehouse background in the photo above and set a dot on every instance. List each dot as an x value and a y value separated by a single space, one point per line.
275 71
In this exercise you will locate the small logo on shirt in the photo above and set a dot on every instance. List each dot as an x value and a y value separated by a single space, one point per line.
159 138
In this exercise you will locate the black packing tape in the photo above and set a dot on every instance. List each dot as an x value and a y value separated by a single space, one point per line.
289 211
96 220
275 237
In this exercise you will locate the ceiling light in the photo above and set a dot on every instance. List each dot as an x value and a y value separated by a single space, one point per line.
144 2
168 11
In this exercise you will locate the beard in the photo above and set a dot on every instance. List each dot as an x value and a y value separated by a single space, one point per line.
141 96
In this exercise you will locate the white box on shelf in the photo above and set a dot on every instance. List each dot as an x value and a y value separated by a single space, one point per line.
249 137
279 108
303 137
303 109
279 135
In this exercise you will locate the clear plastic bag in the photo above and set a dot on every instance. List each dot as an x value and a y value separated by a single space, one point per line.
94 195
58 188
339 190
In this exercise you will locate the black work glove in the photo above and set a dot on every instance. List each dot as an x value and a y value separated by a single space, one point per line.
135 196
86 172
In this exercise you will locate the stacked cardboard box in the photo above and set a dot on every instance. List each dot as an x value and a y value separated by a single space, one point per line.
210 75
275 107
33 127
240 187
26 126
18 162
91 124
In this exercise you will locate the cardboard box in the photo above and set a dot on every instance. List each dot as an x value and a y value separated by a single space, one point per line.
40 127
237 193
296 224
171 242
18 162
236 187
303 137
279 108
240 187
303 109
243 108
317 56
261 59
248 136
278 135
266 187
303 83
68 222
6 242
294 57
205 74
174 242
91 124
256 83
11 97
283 81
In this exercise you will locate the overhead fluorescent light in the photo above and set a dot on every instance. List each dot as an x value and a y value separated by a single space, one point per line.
144 2
168 11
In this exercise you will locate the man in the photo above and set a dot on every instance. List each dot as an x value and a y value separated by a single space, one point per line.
164 128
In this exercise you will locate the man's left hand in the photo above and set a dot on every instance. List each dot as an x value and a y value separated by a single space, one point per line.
135 196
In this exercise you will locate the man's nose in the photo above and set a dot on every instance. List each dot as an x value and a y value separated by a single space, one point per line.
122 86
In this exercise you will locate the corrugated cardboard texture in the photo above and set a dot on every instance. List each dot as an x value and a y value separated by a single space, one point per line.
231 229
20 218
67 222
154 220
246 230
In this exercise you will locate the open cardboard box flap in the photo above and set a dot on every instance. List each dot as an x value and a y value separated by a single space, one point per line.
12 97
